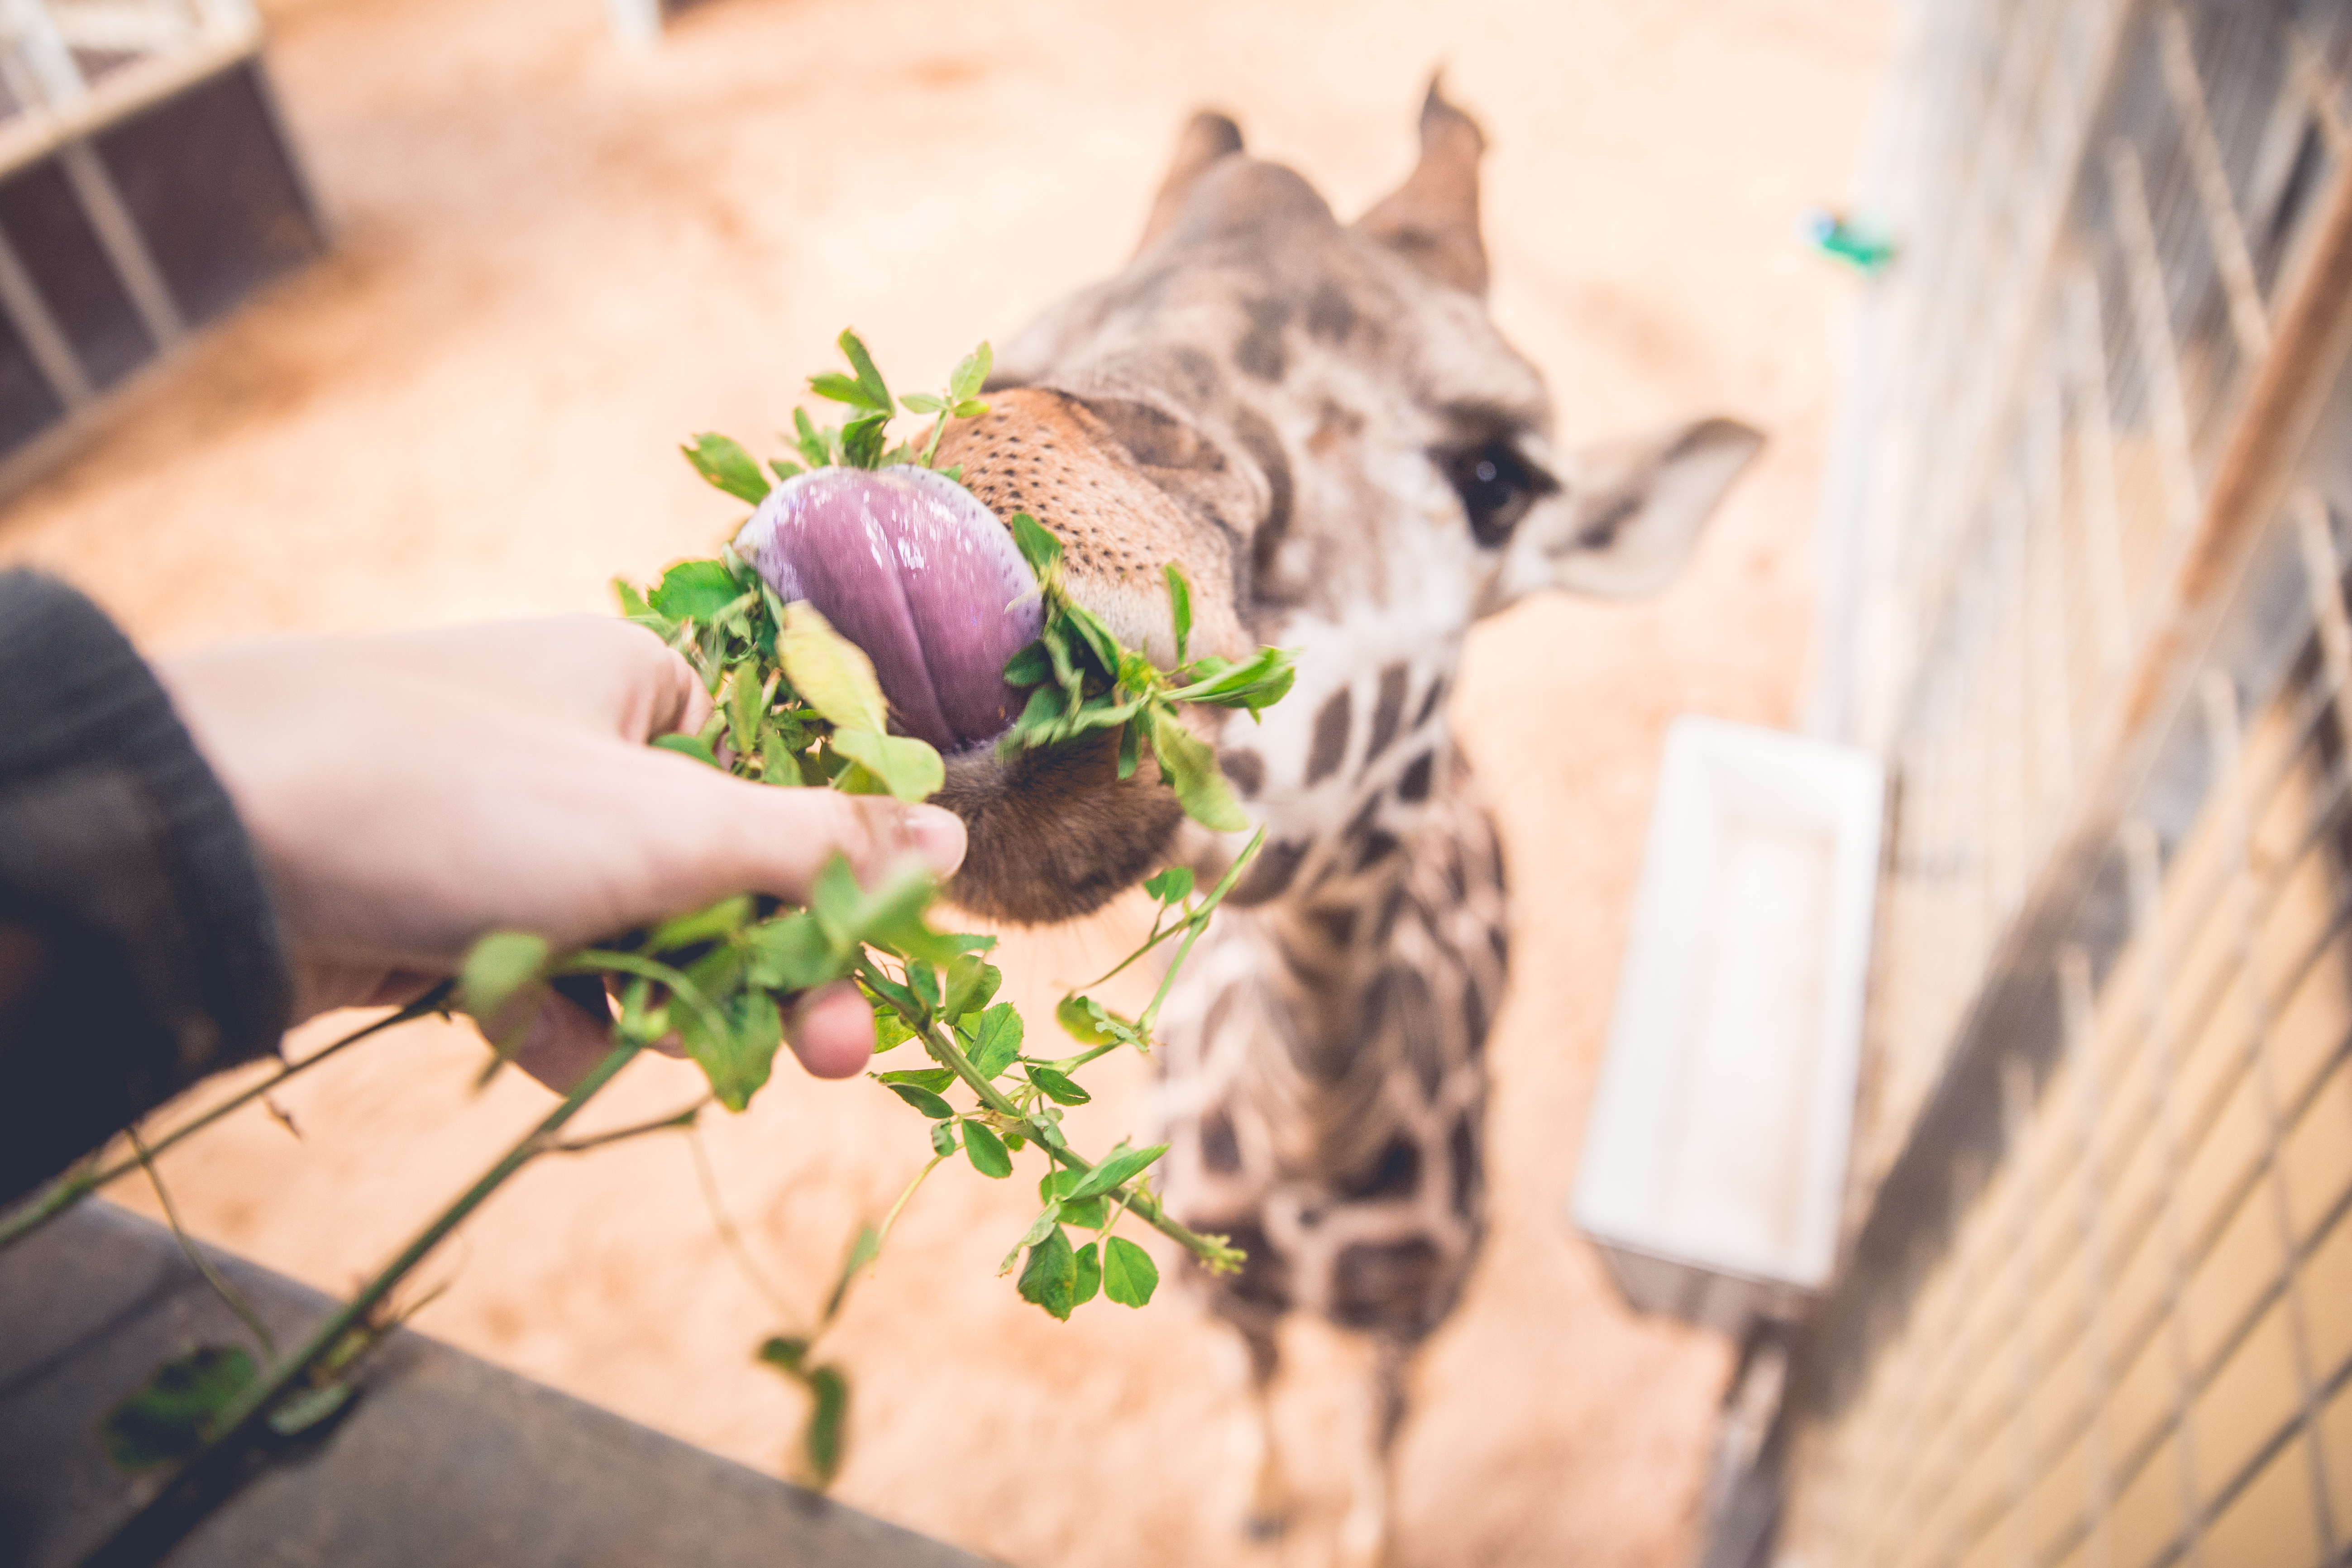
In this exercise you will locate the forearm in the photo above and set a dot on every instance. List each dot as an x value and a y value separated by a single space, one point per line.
137 951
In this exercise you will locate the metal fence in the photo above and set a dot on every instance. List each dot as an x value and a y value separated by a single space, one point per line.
2091 539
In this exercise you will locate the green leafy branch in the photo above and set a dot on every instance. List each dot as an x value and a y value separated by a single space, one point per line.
796 705
1082 681
860 441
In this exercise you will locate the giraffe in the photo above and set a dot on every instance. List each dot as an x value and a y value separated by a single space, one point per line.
1319 422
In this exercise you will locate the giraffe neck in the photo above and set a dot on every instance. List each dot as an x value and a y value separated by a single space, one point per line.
1323 1095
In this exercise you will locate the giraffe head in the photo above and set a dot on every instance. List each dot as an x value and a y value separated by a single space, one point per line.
1319 424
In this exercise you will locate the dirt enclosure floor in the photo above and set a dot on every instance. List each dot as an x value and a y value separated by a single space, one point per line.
554 258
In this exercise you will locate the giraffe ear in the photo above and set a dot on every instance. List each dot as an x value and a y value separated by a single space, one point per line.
1431 220
1632 510
1209 138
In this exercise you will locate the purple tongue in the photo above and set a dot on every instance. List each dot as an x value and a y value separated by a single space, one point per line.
909 567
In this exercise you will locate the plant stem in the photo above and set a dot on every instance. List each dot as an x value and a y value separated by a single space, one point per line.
683 1119
1211 1250
724 1224
147 1534
1198 921
229 1293
891 1218
70 1189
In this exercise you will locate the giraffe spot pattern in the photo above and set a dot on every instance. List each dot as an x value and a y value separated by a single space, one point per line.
1412 785
1386 711
1264 1281
1394 1173
1277 866
1330 316
1221 1147
1337 924
1378 846
1462 1153
1330 741
1259 352
1245 770
1429 703
1388 1285
1257 438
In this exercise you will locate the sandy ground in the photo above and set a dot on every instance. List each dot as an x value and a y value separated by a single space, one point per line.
554 258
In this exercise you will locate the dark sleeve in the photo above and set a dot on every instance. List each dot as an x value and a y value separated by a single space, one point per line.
138 950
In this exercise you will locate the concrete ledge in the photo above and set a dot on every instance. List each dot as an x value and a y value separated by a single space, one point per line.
445 1459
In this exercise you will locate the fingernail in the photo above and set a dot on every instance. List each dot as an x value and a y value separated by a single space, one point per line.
938 836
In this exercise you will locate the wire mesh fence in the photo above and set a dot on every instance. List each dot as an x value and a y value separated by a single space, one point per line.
2098 1302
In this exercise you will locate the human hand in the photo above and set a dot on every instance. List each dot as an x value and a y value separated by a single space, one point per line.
408 794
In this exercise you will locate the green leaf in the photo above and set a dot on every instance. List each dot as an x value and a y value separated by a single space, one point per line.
499 968
784 470
1085 1020
793 952
832 383
893 918
299 1413
1085 1214
1179 607
862 441
785 1354
171 1413
746 705
1116 1168
717 971
696 591
831 673
809 441
837 901
1129 1276
634 607
1051 1277
932 1078
736 1046
1089 1274
923 1100
1189 765
862 1251
1038 547
890 1030
709 923
1259 683
1172 886
1057 1086
1029 666
970 373
863 363
943 1139
969 408
971 982
985 1150
828 1421
910 769
1130 747
922 402
997 1040
1096 635
693 746
726 465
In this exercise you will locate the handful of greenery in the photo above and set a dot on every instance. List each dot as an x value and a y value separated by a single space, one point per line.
795 705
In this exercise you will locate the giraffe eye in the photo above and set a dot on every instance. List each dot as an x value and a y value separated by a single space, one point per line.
1497 486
